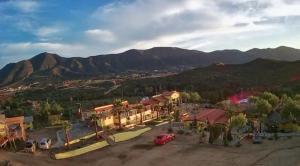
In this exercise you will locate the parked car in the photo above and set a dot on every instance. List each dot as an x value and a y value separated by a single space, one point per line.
164 138
45 143
30 146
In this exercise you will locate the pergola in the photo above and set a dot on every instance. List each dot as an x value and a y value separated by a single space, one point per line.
19 131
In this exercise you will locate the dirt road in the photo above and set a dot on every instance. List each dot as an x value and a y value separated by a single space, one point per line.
184 150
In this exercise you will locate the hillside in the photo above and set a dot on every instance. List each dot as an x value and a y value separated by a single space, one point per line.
218 81
52 66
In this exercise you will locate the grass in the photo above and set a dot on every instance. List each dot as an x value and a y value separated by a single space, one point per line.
81 151
82 138
124 136
119 137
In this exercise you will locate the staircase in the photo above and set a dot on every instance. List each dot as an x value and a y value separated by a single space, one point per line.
3 142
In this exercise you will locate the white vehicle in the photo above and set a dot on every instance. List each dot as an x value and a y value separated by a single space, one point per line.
45 143
30 146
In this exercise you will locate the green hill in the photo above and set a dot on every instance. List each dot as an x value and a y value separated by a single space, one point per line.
218 81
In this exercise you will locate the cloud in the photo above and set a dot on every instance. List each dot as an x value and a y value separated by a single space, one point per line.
24 6
192 24
47 33
100 35
189 23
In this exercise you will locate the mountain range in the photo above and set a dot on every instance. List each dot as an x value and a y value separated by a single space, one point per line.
217 81
53 66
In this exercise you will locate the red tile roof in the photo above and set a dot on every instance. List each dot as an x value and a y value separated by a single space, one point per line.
211 116
108 107
159 98
149 102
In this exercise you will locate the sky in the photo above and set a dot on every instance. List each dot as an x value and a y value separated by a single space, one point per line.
91 27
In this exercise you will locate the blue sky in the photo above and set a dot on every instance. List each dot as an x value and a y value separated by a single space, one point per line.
85 28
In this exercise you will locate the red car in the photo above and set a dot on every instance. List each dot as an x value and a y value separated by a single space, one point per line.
164 138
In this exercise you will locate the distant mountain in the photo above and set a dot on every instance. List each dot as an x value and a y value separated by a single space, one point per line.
53 66
218 81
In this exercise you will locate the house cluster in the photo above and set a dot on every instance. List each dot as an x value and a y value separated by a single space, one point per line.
128 115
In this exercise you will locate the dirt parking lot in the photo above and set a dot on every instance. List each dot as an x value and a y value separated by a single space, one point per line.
184 150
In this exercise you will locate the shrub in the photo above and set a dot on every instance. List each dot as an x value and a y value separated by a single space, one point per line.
290 127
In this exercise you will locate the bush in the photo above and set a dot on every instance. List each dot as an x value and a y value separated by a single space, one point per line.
290 127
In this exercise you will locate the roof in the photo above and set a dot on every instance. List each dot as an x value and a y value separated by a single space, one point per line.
149 102
168 93
159 98
212 116
104 108
108 107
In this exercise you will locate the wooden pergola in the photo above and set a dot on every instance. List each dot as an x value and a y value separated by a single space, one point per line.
17 133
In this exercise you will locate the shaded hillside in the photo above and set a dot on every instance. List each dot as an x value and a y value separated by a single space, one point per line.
52 66
218 81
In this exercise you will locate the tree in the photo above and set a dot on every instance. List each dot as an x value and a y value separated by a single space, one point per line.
229 112
141 109
253 99
195 97
118 109
263 108
238 121
177 115
157 109
46 107
95 119
185 96
56 109
291 109
66 128
297 98
271 98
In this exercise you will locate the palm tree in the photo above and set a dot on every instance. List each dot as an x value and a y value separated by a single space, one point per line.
118 109
95 119
66 128
157 109
229 112
169 107
141 109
